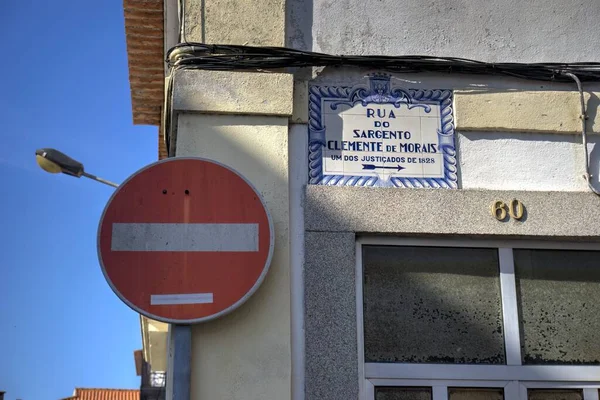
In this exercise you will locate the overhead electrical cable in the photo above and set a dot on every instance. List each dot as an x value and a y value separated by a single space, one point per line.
218 57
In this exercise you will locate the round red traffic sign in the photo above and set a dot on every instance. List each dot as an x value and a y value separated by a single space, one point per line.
185 240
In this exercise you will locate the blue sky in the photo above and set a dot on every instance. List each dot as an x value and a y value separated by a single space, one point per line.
65 85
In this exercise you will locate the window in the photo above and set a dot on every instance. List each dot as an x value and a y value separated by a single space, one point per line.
478 320
558 294
432 305
402 393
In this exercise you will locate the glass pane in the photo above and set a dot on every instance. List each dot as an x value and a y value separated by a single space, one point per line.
554 394
475 394
559 306
432 305
402 393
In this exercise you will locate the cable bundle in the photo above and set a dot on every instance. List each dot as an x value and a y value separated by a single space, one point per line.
233 57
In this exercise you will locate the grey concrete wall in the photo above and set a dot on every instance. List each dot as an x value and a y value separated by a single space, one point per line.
334 215
495 30
450 212
255 23
330 316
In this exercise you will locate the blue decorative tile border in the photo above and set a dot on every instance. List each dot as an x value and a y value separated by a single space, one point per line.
379 92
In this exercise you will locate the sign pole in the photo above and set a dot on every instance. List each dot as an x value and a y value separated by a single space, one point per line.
180 358
185 240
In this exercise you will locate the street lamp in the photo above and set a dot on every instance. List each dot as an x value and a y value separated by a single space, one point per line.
54 162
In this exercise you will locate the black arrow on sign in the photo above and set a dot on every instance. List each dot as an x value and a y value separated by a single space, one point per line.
373 166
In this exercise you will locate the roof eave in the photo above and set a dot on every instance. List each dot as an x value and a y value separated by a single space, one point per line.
144 31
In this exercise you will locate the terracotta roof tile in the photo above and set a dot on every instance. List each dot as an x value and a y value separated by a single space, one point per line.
105 394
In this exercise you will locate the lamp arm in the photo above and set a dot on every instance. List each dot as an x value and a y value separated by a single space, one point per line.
98 179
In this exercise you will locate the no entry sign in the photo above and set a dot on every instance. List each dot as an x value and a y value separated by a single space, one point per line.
185 240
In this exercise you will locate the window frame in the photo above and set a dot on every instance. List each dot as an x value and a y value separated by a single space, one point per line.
514 377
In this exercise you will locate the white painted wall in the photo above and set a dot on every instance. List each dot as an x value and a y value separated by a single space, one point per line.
157 342
488 30
247 354
525 161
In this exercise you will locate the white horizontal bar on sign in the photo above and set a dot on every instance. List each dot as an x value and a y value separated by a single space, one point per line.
184 237
174 299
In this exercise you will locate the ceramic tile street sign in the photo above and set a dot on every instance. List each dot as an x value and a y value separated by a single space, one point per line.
377 135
